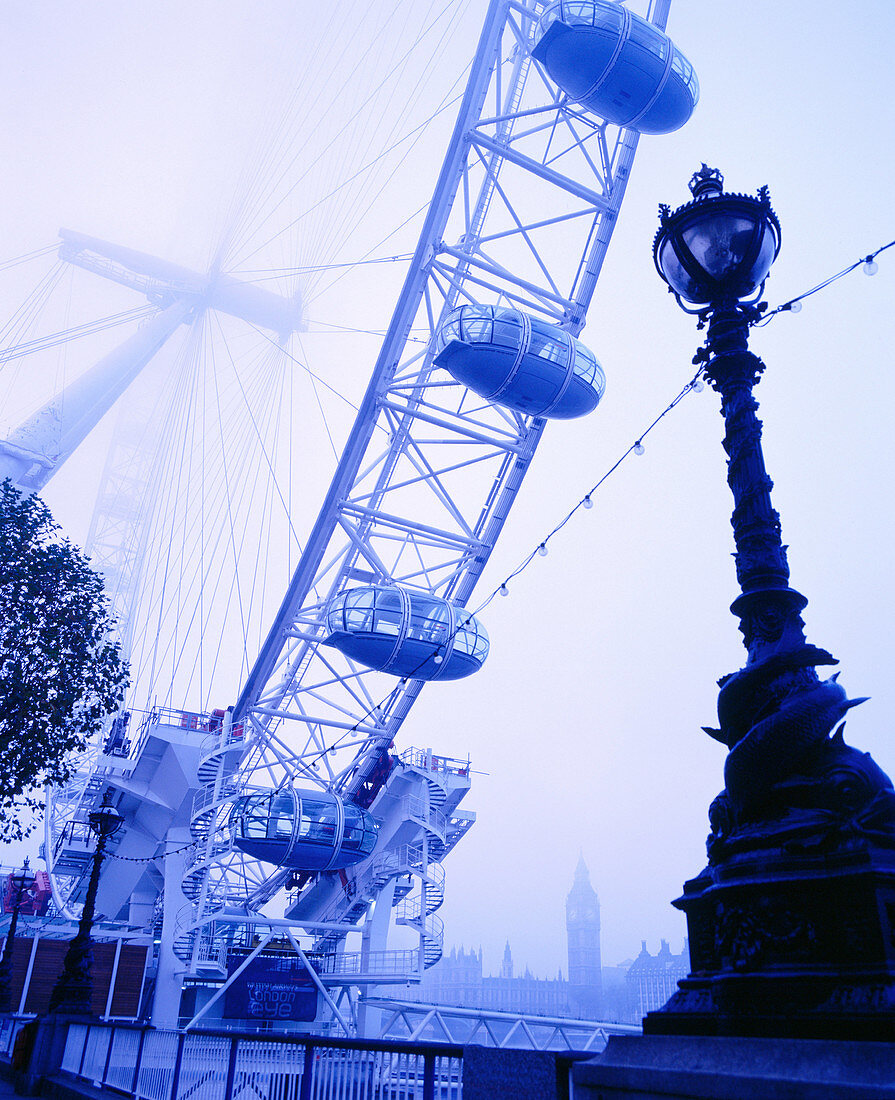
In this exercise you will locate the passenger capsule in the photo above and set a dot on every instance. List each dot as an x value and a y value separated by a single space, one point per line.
618 65
306 830
519 361
406 633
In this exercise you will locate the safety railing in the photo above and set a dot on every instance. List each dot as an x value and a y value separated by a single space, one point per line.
355 963
425 761
419 1020
433 819
210 1065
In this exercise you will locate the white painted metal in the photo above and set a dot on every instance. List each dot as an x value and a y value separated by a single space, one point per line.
528 195
162 1065
522 214
33 453
422 1022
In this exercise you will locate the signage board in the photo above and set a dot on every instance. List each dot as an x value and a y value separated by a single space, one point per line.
272 987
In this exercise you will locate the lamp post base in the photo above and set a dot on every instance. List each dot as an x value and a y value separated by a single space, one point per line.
790 940
649 1067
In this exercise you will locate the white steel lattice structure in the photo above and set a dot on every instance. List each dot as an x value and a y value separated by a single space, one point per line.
521 217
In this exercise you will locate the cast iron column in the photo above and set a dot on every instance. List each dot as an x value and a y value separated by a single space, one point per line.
73 993
6 959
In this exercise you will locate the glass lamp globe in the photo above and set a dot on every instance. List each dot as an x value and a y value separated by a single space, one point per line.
718 247
105 820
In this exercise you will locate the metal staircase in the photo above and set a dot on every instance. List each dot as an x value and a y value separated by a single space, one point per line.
220 756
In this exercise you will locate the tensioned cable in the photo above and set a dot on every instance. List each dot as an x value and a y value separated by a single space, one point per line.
313 107
24 316
77 332
397 229
332 142
637 448
307 369
38 252
219 512
695 384
357 214
268 273
333 330
417 131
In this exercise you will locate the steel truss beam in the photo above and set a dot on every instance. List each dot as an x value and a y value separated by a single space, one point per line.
529 193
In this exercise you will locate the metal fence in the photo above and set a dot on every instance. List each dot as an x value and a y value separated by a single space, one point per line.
169 1065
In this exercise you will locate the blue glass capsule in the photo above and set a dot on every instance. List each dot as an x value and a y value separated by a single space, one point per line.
527 364
618 65
406 633
308 830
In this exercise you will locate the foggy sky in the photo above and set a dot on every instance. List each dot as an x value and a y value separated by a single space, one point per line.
130 123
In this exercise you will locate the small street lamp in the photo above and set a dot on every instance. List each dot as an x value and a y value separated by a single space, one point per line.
792 923
20 884
73 992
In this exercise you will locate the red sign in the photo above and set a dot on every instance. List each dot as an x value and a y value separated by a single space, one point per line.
36 894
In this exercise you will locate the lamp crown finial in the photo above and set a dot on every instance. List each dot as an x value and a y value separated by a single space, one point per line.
706 182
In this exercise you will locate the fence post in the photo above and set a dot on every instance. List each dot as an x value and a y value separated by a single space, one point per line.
175 1079
83 1051
231 1069
429 1075
307 1073
108 1055
137 1060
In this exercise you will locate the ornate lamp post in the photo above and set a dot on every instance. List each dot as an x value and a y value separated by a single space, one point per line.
73 991
792 923
20 883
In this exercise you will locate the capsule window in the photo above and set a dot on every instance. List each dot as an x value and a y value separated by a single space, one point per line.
356 836
588 13
358 613
389 613
477 330
471 641
253 821
549 348
643 34
282 817
429 620
318 822
507 329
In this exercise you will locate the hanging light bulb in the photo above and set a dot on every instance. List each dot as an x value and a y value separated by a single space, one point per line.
504 591
587 502
438 658
542 550
698 385
870 266
639 448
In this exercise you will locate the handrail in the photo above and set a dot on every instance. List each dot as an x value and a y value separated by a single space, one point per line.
145 1062
425 761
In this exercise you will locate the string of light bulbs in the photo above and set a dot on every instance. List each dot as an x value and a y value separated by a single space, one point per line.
793 305
152 858
867 263
695 385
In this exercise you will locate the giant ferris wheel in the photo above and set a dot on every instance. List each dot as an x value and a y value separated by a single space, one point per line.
298 814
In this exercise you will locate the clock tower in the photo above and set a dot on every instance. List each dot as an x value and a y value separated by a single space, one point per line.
583 931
